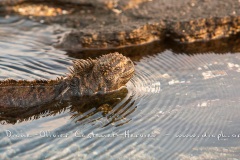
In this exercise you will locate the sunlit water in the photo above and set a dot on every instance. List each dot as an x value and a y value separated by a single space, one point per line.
177 106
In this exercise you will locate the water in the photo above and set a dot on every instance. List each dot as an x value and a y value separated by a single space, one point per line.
177 105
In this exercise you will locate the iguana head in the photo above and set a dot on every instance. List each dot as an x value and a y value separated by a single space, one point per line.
113 71
107 73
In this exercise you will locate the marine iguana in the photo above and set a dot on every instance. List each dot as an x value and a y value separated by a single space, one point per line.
87 77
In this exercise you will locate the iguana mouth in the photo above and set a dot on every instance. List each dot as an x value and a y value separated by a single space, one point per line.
128 71
127 74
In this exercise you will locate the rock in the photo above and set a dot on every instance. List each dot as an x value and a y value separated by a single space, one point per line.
114 23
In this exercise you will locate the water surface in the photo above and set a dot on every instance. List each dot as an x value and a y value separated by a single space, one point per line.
177 106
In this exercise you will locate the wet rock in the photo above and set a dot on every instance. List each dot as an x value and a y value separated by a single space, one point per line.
109 38
205 29
223 45
114 23
11 2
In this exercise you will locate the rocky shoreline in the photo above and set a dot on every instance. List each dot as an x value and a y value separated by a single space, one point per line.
98 24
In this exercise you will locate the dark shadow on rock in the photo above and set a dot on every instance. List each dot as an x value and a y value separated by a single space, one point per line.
219 46
136 53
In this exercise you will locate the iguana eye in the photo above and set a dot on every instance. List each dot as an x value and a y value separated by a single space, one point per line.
117 68
129 62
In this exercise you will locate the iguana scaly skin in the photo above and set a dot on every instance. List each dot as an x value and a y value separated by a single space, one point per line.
87 77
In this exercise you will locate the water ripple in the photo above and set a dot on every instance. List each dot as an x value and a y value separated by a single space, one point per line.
170 96
26 50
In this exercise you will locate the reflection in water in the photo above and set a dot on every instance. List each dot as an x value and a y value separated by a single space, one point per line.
81 108
173 94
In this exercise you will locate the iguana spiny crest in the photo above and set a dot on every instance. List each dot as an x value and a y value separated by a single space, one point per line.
104 74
